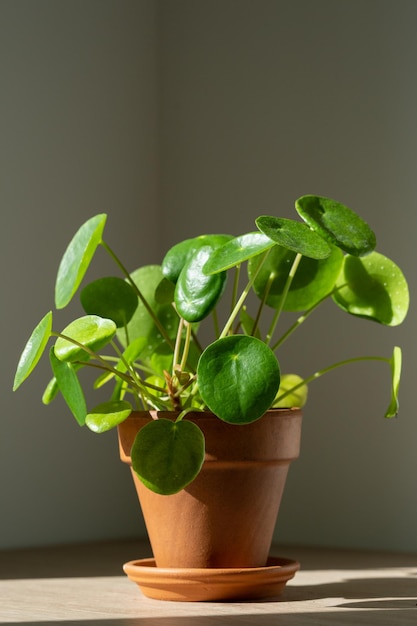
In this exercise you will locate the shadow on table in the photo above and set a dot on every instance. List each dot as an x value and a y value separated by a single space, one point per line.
405 617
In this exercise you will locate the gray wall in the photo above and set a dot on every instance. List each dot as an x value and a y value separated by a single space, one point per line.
178 117
78 129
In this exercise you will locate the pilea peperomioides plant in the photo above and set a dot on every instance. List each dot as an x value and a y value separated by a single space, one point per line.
141 330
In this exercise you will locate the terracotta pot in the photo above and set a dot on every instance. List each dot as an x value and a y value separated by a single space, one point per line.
226 516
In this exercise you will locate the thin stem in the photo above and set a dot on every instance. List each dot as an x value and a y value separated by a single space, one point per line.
186 346
235 286
177 347
243 297
328 369
302 319
284 294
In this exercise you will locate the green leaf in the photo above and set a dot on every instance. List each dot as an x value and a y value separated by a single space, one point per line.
52 388
238 378
196 294
313 280
178 255
294 391
147 279
90 331
77 258
373 287
236 251
70 387
396 361
108 415
110 297
167 455
336 223
294 236
33 350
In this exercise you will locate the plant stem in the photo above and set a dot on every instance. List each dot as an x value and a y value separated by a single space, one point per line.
321 372
243 297
284 294
186 346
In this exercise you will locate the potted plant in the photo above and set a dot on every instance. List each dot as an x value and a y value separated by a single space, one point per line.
183 408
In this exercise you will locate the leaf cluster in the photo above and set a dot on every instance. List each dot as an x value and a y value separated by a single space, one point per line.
140 329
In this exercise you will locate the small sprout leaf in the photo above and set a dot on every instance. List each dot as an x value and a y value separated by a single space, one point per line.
77 258
238 378
33 350
167 455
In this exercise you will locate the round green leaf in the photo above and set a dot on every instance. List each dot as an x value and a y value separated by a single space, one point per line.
148 279
373 287
33 350
337 224
196 294
238 378
167 455
177 256
108 415
70 387
77 258
294 235
236 251
91 331
313 280
110 297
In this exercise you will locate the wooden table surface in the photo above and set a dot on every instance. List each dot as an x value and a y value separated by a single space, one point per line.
84 584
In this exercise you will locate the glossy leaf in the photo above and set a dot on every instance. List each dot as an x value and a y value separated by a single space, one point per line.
236 251
142 325
77 258
168 455
196 294
70 387
373 287
178 255
238 378
33 350
295 392
396 362
295 236
110 297
336 223
108 415
91 331
313 280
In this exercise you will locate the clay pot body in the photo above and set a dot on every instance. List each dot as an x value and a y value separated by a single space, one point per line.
227 515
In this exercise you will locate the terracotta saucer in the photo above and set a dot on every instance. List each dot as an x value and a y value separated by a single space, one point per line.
198 585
